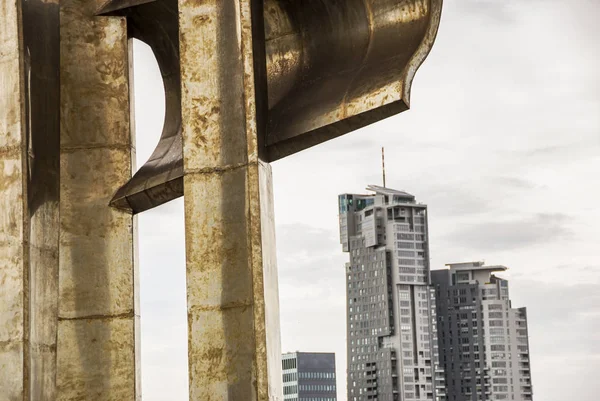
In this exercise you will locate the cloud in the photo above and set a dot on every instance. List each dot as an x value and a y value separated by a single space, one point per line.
586 268
311 273
312 292
163 303
502 12
564 321
453 200
504 235
568 150
302 240
514 183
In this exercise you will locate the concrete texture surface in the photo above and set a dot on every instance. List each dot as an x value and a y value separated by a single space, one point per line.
98 294
234 347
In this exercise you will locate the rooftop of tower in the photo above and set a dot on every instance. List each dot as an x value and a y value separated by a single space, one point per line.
389 191
479 265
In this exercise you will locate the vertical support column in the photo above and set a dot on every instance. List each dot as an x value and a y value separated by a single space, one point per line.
233 307
29 191
13 225
98 300
41 37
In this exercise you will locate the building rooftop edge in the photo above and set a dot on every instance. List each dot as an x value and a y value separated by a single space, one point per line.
307 352
389 191
479 266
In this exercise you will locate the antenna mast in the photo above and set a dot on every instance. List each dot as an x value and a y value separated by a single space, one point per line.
383 164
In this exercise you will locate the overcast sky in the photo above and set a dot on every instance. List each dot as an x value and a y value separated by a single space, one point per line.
503 144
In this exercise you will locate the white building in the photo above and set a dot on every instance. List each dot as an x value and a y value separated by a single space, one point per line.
483 341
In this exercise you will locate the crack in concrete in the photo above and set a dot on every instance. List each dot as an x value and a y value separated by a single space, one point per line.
71 149
220 169
126 315
226 306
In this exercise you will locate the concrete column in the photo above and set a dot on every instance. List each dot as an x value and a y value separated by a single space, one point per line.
13 248
98 323
29 190
233 307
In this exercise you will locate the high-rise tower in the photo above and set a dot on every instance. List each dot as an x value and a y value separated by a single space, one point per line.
391 323
483 341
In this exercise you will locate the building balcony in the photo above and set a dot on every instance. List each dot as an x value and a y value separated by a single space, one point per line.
526 385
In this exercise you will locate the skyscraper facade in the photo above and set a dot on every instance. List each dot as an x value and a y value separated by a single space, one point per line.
309 376
483 341
391 322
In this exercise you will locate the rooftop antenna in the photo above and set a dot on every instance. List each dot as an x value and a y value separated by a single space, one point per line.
383 164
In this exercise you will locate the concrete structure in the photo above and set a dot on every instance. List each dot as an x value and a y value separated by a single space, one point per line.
29 199
98 316
247 82
483 341
309 376
68 303
392 335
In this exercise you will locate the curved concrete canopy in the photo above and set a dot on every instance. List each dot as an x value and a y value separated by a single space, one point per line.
323 68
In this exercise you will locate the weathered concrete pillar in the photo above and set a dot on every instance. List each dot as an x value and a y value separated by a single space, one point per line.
29 190
98 324
233 307
13 274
